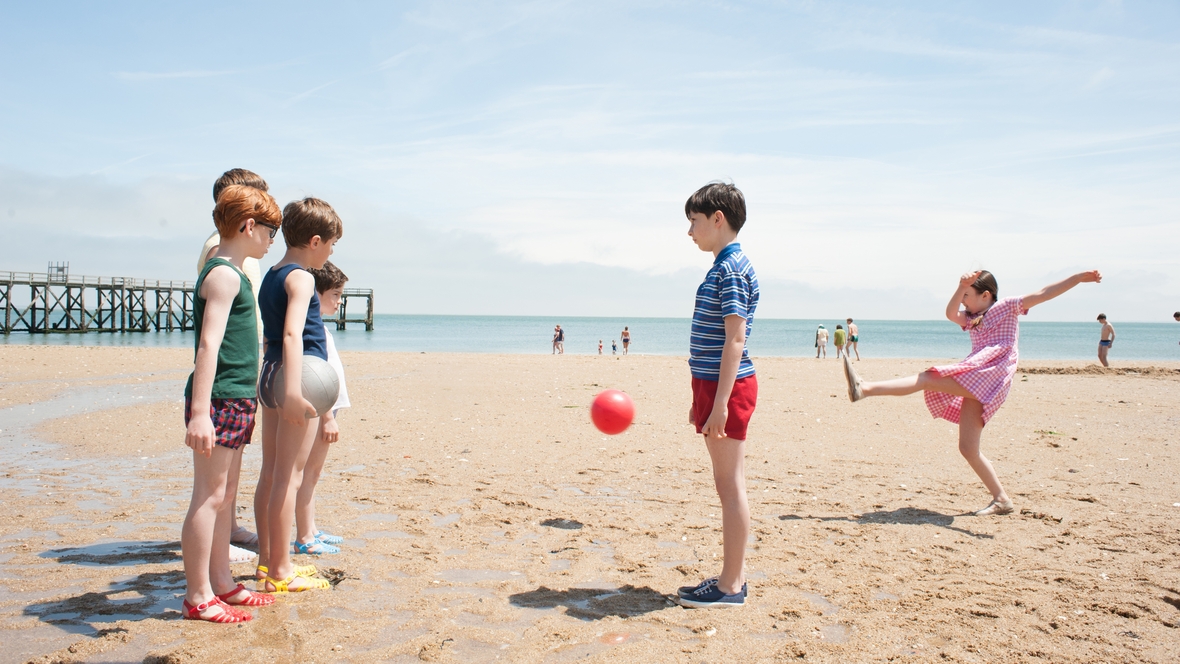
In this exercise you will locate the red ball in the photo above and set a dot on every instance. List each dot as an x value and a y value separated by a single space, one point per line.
612 411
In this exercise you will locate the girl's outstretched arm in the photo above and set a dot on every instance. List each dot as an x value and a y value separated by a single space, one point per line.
1053 290
953 313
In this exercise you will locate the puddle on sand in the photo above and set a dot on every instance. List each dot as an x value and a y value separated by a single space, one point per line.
834 633
445 520
386 534
379 517
822 602
477 575
559 565
120 554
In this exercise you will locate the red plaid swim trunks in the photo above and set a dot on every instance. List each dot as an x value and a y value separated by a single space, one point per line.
233 420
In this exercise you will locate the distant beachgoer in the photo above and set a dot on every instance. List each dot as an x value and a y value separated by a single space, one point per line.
853 338
1176 316
614 348
626 337
970 392
1107 340
839 338
558 340
600 346
821 342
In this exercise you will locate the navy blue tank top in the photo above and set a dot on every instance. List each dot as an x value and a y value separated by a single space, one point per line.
272 303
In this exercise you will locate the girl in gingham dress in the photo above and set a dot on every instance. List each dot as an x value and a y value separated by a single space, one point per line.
970 392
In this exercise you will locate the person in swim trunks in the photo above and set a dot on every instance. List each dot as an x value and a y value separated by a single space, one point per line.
853 337
1107 340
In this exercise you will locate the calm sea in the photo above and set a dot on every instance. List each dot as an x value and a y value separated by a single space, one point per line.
669 336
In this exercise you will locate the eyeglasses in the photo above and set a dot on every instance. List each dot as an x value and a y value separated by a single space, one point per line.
274 230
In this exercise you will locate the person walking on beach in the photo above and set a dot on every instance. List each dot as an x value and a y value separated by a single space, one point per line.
558 340
969 393
1107 340
821 342
853 338
839 338
724 385
625 336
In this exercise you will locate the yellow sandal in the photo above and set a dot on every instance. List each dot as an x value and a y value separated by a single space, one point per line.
281 587
306 571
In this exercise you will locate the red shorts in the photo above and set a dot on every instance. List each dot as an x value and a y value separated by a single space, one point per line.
233 420
742 401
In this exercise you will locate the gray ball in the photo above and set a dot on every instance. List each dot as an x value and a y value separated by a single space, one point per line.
320 384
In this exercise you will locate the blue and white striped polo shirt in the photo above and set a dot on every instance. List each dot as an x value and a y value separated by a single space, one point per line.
730 288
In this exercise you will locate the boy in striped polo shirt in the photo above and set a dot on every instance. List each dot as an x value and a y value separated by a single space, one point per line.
724 388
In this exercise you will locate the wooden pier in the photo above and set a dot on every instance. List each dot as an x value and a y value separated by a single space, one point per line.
342 316
57 302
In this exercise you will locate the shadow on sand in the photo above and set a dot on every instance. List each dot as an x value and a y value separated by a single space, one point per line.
593 603
911 516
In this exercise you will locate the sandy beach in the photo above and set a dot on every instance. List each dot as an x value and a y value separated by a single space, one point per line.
487 520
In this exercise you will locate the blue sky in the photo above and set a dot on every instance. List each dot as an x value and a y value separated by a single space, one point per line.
533 158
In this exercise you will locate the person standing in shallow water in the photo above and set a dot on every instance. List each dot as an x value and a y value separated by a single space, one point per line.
969 393
821 342
558 340
625 336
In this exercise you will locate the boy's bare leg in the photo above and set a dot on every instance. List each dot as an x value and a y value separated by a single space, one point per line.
856 349
923 382
199 536
729 477
970 429
270 434
292 448
220 576
305 528
1102 351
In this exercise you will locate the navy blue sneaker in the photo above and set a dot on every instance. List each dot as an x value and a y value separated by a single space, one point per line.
710 596
687 591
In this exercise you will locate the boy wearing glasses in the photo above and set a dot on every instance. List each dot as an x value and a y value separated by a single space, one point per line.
252 271
220 402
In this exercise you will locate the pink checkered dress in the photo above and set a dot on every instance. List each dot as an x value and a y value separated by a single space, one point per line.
987 372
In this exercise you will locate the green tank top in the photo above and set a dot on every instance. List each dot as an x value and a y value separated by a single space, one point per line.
237 360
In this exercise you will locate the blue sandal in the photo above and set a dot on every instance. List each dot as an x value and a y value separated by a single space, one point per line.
314 548
328 539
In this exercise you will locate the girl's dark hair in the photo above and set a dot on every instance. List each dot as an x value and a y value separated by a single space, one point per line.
328 277
718 196
986 281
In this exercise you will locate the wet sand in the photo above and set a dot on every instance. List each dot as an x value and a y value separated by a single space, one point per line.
486 520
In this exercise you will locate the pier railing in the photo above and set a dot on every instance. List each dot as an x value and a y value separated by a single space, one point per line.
78 303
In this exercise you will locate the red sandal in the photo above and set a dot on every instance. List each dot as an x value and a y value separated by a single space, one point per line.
228 614
251 599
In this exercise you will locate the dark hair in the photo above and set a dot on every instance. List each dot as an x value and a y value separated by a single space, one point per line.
718 196
839 327
238 203
1101 316
238 176
849 320
328 277
1176 315
307 218
986 282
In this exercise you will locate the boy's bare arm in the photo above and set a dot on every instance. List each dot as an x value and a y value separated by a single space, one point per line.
1053 290
299 286
219 289
731 359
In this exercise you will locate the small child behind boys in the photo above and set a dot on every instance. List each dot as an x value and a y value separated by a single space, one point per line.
724 387
292 326
329 286
220 403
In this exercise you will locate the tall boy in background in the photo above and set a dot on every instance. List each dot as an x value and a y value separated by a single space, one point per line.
724 388
250 267
329 286
220 403
293 328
